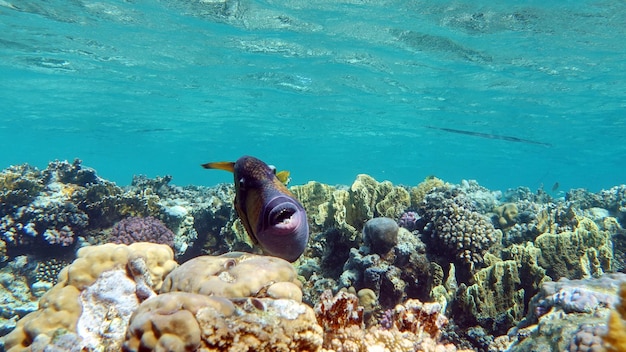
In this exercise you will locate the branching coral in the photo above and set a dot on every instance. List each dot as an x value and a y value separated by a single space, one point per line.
452 225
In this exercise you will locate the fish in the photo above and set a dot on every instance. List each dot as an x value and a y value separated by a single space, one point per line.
555 186
272 216
490 136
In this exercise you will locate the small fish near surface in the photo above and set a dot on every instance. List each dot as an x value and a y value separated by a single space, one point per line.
272 216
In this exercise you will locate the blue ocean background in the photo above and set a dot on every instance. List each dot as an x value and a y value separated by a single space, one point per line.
325 89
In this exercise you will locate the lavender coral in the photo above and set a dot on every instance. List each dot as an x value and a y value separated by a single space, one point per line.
136 229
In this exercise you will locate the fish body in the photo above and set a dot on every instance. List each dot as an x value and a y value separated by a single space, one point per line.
271 214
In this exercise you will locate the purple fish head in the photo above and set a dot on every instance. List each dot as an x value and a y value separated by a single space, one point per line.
283 230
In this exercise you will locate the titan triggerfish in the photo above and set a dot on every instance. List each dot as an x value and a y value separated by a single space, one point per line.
271 214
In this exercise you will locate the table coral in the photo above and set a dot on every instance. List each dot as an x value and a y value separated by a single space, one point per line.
236 275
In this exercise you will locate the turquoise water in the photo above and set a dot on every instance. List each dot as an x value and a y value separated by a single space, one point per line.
326 89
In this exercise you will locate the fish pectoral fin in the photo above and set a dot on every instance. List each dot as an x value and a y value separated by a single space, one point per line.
243 216
221 165
283 176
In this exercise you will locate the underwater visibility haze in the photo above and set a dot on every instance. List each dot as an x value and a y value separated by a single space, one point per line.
326 89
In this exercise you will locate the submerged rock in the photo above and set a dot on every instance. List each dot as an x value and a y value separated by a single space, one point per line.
380 234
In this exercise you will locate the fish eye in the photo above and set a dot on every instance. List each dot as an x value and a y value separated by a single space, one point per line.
273 168
242 183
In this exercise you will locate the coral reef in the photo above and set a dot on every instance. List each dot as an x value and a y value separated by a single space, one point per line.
16 297
418 193
408 220
411 326
48 270
506 214
404 271
567 315
495 301
148 229
480 255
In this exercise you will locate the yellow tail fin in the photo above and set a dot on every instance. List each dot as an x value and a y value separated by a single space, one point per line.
221 165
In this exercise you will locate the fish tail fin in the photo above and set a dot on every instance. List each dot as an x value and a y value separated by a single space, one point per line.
221 165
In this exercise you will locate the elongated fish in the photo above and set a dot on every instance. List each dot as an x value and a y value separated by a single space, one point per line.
272 216
490 136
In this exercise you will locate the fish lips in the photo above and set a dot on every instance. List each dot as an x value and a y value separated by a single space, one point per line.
284 229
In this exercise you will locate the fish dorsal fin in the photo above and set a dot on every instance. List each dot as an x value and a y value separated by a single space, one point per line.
221 165
283 176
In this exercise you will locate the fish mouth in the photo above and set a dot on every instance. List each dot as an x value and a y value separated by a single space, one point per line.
281 215
283 229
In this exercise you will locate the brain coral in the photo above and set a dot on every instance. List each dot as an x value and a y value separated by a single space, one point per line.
454 226
235 275
138 229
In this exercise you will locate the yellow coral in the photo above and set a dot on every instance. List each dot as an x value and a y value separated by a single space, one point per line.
584 252
507 214
60 307
616 336
394 203
181 321
236 275
419 192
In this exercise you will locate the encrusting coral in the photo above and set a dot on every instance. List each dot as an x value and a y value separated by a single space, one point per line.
182 321
234 275
138 229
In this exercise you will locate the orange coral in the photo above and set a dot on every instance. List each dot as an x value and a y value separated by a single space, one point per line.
414 326
418 317
616 336
340 311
